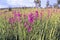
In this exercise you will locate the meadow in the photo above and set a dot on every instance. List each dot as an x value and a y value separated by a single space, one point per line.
30 24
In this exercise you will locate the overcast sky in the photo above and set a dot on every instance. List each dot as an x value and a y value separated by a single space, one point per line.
20 3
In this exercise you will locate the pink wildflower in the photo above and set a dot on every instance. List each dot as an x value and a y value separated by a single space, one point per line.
11 20
29 29
36 14
30 18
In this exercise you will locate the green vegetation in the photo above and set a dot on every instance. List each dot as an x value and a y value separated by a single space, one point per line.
30 24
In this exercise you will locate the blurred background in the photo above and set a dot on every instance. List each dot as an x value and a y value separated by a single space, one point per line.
29 3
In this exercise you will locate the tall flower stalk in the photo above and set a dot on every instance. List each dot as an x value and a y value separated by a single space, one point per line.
12 20
31 18
41 15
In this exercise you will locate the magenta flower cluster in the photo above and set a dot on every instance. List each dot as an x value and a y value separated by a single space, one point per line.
17 17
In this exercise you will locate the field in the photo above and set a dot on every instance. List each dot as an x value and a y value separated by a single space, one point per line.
30 24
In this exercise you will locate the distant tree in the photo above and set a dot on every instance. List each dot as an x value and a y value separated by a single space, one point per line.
47 3
55 5
37 3
58 1
10 9
50 6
